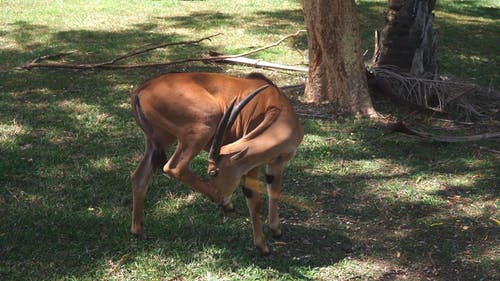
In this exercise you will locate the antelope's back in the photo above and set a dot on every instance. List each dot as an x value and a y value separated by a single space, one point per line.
199 99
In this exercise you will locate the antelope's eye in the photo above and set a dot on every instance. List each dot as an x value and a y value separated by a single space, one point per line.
213 173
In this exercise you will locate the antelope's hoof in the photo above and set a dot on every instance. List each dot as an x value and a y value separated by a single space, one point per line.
276 233
139 236
264 251
231 213
228 209
138 232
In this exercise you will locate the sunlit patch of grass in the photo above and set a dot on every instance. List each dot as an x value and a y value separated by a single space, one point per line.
105 164
464 18
8 132
353 269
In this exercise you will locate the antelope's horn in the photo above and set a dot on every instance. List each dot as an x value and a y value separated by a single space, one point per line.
219 135
227 122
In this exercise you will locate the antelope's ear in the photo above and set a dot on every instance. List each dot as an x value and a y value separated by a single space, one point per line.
238 155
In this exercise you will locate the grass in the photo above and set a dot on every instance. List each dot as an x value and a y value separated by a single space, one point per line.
358 204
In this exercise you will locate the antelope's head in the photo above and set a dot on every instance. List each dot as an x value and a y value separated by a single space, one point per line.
225 170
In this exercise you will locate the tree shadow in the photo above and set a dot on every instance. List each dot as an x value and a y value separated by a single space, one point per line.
469 8
201 226
371 18
466 60
387 213
262 22
206 20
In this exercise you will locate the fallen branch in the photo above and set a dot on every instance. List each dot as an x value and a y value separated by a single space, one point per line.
54 56
290 88
108 64
111 63
96 66
258 63
141 51
262 48
489 150
402 128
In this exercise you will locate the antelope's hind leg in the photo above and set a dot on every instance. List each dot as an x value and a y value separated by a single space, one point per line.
153 158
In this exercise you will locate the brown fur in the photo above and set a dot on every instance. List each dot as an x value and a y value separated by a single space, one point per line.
159 158
260 76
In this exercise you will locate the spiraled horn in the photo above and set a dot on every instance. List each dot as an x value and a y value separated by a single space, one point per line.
219 135
227 122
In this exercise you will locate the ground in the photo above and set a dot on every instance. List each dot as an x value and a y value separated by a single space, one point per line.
358 204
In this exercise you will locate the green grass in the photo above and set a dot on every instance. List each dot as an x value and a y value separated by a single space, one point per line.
357 204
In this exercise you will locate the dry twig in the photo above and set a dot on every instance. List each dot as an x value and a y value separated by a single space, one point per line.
262 48
54 56
258 63
107 64
111 63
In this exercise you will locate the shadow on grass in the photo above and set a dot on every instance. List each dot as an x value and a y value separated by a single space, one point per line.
470 59
385 211
201 227
371 18
262 22
468 8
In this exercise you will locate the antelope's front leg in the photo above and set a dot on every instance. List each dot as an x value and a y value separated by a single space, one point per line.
274 178
178 167
252 194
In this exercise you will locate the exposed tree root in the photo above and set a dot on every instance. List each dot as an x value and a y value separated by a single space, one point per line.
463 101
402 128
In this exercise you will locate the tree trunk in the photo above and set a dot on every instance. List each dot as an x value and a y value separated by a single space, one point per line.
336 69
408 41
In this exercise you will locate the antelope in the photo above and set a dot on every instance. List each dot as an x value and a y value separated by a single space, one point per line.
198 111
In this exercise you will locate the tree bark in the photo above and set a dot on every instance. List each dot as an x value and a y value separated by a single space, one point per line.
336 69
408 41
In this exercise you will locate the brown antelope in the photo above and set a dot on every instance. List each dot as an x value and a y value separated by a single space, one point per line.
197 110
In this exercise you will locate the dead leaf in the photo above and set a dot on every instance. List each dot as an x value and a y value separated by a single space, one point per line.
306 242
26 146
123 259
